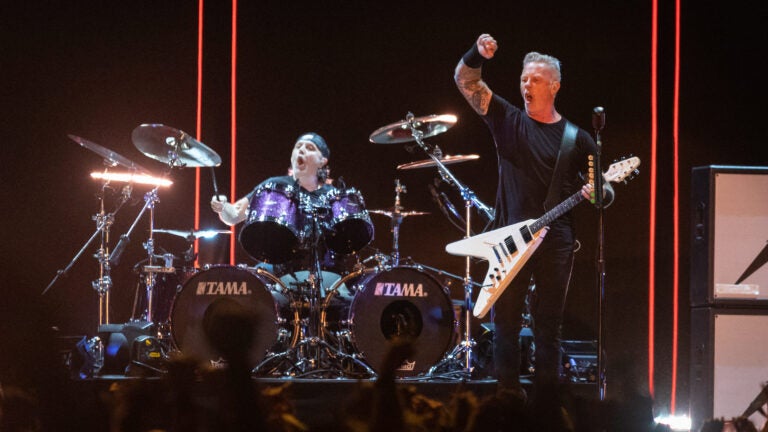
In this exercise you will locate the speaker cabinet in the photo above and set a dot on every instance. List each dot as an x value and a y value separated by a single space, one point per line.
729 236
729 362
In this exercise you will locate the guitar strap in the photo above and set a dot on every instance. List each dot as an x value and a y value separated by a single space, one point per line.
563 159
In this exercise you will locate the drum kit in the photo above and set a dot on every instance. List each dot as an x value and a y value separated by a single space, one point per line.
307 323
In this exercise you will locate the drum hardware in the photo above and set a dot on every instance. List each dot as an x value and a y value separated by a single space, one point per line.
190 236
175 148
104 221
415 129
93 348
396 215
309 353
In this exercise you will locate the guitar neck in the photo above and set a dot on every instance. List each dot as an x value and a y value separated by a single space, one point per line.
556 212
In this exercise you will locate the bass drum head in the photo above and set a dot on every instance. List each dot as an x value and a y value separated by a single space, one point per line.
212 314
406 304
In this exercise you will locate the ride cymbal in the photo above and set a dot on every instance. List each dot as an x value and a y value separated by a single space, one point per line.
445 160
173 147
400 132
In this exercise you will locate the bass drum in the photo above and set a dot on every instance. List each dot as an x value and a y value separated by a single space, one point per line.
221 295
401 303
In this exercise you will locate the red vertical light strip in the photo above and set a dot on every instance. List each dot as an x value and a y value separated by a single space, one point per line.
652 205
676 211
199 118
233 126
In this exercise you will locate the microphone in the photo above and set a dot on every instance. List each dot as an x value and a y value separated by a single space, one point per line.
598 118
114 258
449 205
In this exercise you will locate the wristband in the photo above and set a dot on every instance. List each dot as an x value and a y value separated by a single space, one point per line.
473 58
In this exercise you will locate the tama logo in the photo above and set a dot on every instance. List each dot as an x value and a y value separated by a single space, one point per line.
407 366
395 289
222 288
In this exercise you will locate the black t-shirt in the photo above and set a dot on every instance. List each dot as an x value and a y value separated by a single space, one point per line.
288 182
527 151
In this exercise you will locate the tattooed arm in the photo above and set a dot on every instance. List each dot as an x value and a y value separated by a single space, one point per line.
468 71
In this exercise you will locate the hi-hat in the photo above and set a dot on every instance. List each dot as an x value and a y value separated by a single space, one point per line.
193 233
112 157
445 160
390 213
400 132
173 146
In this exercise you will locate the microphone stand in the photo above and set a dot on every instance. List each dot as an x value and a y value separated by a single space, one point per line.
464 348
598 123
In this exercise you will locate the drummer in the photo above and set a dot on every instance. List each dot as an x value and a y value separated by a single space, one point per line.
309 170
308 173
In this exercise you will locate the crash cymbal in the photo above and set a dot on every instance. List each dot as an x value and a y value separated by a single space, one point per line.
109 155
400 132
392 213
173 146
132 178
193 233
445 160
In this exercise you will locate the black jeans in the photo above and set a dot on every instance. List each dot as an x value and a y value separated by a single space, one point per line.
551 267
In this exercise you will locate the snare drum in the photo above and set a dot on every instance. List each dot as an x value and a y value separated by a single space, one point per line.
402 303
224 289
271 232
350 227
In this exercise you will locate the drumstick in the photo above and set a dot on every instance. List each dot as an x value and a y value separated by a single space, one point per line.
215 187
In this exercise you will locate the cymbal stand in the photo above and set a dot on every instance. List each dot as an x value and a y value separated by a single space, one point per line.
312 355
104 222
150 199
463 350
397 219
94 346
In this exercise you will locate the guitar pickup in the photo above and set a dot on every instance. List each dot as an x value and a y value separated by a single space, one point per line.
525 231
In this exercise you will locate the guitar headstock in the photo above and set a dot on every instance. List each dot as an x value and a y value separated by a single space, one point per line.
623 170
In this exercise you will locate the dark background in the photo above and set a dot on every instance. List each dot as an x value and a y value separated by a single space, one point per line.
99 69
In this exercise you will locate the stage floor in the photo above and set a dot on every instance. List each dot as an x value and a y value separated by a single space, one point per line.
320 404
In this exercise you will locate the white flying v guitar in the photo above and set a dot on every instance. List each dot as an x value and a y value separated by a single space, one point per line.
507 249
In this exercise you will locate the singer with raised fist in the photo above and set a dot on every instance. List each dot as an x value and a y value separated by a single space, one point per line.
531 140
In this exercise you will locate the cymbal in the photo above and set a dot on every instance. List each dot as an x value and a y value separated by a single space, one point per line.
109 155
132 178
445 160
390 213
400 132
192 233
173 146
